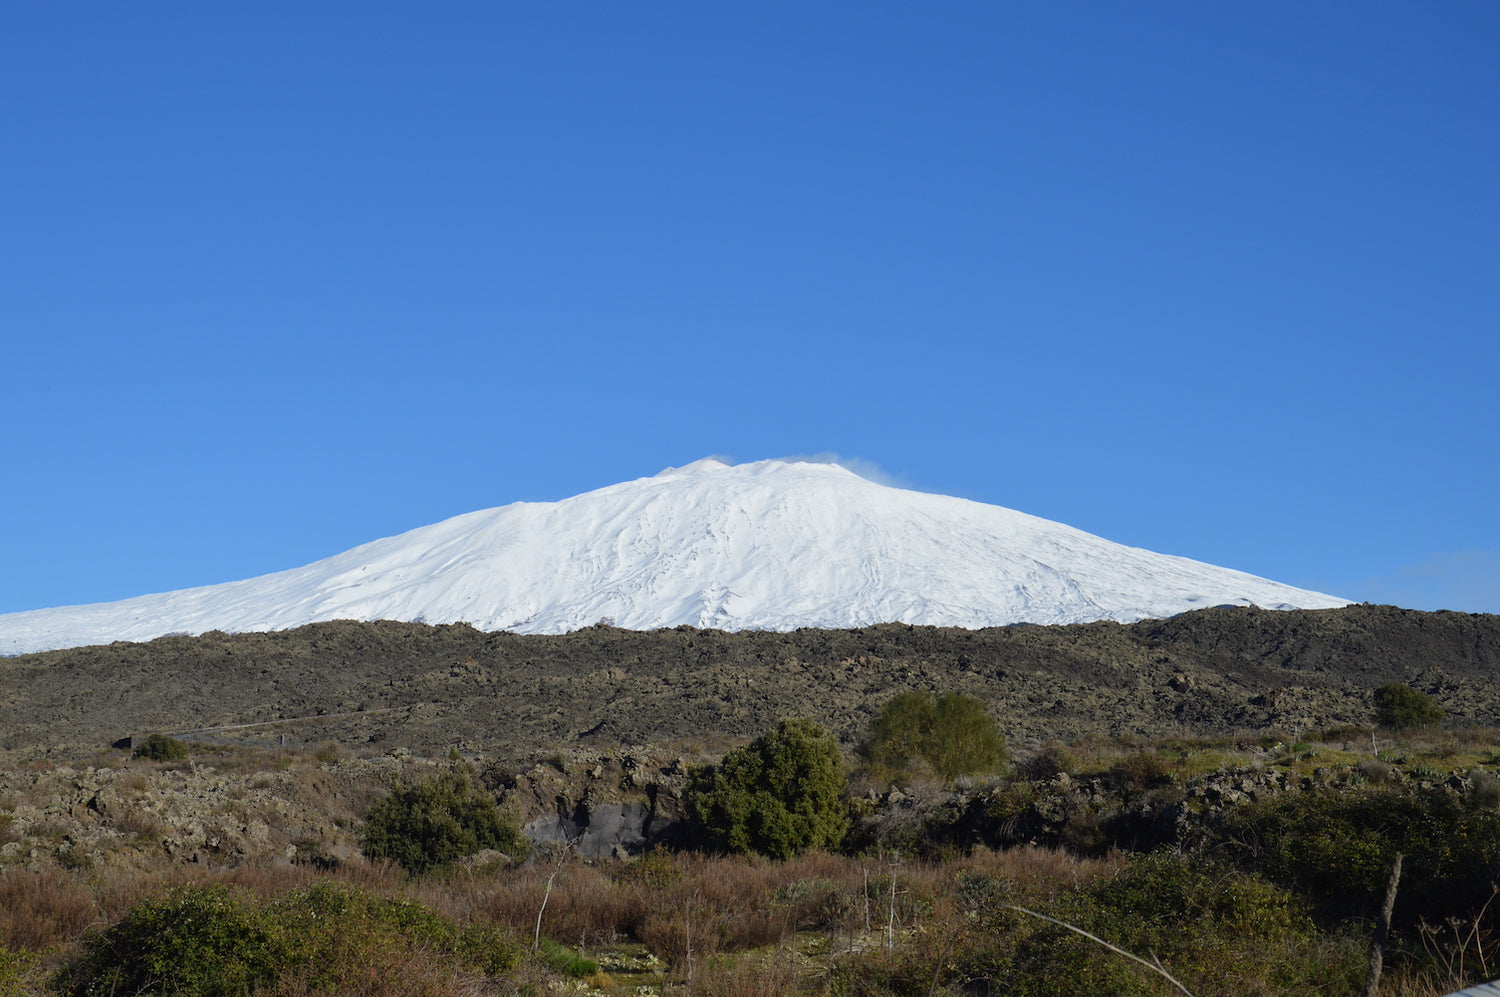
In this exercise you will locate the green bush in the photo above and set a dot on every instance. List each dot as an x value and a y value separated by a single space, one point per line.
1218 930
952 734
209 942
1400 707
19 973
1336 848
781 794
438 821
203 941
161 748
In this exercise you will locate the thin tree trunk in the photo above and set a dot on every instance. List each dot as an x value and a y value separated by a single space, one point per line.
1377 944
536 939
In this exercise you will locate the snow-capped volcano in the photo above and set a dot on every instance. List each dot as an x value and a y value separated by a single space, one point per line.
770 545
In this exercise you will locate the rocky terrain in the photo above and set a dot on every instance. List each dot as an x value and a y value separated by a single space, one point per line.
372 687
589 736
1123 739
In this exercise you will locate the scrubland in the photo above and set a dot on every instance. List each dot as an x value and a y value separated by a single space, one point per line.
1238 865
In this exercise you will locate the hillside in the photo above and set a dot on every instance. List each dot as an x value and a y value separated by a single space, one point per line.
385 684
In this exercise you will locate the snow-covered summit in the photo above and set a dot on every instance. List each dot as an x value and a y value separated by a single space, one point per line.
770 545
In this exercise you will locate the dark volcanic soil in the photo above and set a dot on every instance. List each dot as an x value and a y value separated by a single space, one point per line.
428 688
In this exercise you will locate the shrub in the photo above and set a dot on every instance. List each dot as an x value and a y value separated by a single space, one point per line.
1399 707
1376 771
198 940
1139 772
1486 791
1052 761
951 733
779 795
1336 848
1219 929
161 748
438 821
209 942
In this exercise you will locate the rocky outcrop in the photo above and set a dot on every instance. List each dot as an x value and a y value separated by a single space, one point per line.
113 811
599 804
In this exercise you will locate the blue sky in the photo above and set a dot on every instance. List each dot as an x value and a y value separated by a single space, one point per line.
1218 280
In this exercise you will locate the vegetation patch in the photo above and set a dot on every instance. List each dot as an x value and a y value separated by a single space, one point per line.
210 941
949 735
779 795
1401 707
161 748
438 821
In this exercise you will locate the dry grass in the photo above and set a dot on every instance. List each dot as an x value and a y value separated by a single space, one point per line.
134 781
775 975
688 908
43 910
137 821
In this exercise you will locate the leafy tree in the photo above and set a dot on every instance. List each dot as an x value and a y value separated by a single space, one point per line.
161 748
952 734
781 794
437 821
1398 706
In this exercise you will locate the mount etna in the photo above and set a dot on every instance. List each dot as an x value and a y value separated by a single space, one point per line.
774 545
708 602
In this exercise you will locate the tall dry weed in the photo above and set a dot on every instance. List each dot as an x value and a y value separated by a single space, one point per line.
43 910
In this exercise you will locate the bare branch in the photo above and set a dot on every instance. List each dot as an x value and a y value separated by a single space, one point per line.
1154 967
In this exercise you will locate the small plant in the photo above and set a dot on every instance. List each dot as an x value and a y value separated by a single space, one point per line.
161 748
1140 772
437 821
1401 707
565 960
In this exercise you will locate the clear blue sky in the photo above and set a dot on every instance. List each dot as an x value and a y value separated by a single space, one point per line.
1218 280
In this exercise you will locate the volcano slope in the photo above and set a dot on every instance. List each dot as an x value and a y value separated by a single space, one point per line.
386 685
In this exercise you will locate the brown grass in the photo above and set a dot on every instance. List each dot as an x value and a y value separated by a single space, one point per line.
708 905
137 821
135 780
43 910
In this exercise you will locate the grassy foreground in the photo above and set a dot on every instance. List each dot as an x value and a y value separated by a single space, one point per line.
1272 894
